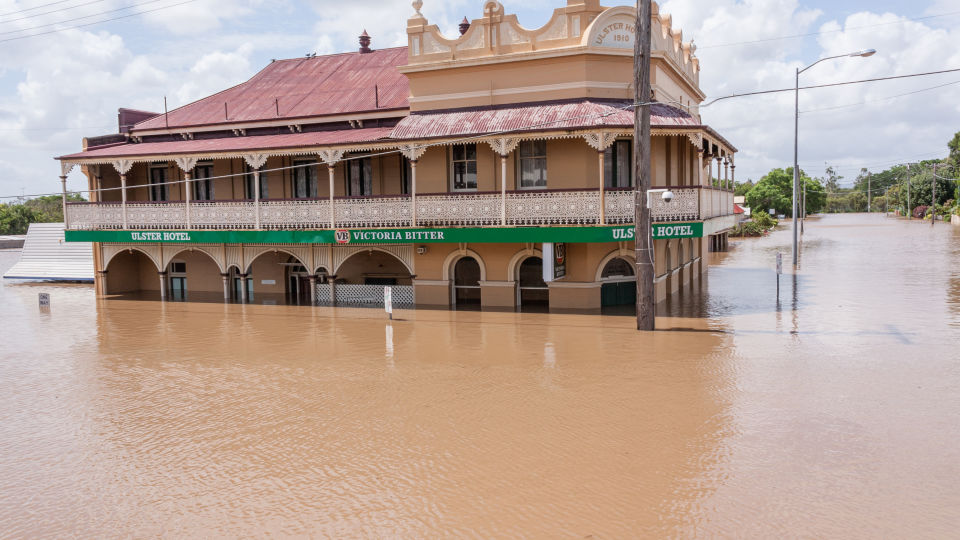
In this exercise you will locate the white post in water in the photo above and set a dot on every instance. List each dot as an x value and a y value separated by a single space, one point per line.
779 271
388 301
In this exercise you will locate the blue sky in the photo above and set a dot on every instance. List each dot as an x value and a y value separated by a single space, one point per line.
56 88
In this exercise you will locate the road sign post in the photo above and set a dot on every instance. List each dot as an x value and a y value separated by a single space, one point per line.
779 271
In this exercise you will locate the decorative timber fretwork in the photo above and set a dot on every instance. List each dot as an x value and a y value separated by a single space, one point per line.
330 156
413 151
186 163
600 140
255 161
122 166
503 145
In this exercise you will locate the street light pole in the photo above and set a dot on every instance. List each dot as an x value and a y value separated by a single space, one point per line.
796 123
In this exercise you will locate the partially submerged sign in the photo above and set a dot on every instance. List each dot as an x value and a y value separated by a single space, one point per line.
44 299
388 300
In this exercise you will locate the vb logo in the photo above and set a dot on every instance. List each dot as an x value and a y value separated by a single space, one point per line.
342 236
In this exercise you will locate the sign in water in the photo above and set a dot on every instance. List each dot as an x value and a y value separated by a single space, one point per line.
388 300
44 299
554 261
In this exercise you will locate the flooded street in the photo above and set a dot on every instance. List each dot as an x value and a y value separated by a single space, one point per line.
833 412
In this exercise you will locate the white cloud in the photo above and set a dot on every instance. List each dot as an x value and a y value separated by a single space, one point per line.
762 127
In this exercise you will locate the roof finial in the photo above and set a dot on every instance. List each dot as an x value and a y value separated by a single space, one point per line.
417 4
464 26
365 42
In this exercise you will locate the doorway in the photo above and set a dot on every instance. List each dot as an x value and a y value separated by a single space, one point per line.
532 291
466 283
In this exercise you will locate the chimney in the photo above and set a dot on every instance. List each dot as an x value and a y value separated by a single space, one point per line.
464 26
365 43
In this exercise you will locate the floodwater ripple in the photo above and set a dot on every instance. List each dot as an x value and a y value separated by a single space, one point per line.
832 411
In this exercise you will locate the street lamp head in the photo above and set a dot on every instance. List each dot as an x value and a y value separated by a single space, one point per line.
866 53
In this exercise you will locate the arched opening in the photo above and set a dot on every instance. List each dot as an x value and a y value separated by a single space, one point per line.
466 282
132 272
195 275
363 275
277 277
619 285
298 289
532 291
237 285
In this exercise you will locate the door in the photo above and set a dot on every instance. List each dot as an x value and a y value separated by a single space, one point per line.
532 291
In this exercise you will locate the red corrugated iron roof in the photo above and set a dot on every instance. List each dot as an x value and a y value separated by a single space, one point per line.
303 87
737 209
236 144
533 117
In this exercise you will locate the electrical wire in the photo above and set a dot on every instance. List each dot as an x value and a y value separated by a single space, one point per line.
879 99
68 8
98 22
810 34
827 85
34 7
124 8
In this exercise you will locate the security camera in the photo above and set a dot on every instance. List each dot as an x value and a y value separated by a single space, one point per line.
667 196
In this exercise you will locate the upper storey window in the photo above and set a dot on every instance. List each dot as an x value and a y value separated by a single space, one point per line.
359 177
464 167
617 165
304 179
533 165
248 185
158 181
202 184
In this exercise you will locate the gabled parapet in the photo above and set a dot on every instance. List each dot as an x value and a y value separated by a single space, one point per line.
581 23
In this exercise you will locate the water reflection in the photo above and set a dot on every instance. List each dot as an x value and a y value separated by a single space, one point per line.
818 419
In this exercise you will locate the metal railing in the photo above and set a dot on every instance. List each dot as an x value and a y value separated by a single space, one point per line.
517 208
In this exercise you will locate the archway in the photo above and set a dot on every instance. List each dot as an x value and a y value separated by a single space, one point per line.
619 284
237 283
194 274
277 277
131 271
361 279
466 282
532 291
298 287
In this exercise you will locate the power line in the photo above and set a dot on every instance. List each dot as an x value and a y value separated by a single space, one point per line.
809 34
875 79
68 8
79 19
33 8
879 99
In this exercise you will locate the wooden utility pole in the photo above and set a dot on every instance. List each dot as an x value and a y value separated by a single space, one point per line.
909 210
933 196
646 296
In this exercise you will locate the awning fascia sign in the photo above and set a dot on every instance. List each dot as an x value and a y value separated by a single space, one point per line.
474 235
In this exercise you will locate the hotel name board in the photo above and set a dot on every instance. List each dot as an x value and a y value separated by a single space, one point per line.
477 235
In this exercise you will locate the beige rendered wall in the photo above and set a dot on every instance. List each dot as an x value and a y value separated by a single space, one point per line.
203 274
269 266
124 272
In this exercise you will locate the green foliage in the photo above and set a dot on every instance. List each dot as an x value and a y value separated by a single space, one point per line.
14 218
764 220
775 190
748 228
741 188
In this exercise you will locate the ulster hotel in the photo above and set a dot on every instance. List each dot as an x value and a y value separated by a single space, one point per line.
449 169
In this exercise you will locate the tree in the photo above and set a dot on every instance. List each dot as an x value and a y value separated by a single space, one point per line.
954 146
775 190
832 181
15 218
741 188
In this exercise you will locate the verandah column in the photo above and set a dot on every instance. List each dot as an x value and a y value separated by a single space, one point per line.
503 146
163 285
123 166
601 141
186 165
65 169
256 162
331 158
413 152
226 287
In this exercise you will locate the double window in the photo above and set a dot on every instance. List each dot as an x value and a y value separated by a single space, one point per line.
304 179
532 165
202 184
617 165
359 177
158 185
248 184
406 175
464 167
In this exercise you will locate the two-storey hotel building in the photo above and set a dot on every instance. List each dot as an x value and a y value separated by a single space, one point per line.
448 169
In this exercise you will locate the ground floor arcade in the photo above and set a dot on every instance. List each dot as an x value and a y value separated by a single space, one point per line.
504 276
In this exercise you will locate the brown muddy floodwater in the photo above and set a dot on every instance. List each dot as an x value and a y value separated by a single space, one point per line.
834 413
